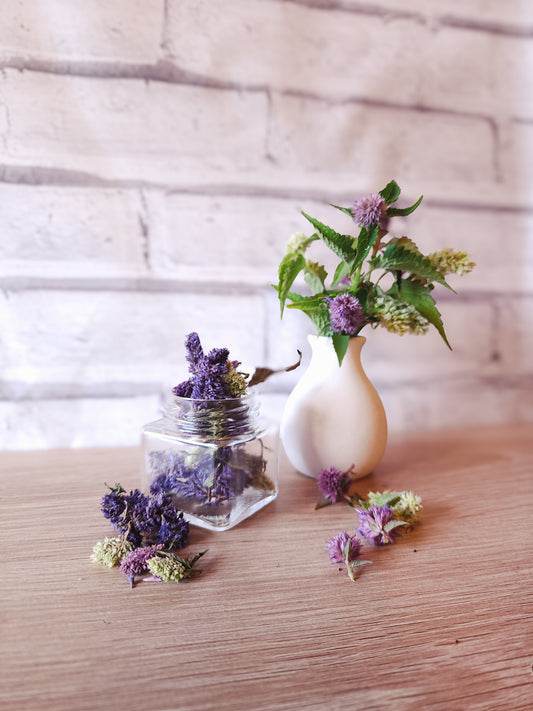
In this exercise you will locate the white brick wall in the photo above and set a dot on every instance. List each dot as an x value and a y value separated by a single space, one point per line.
154 160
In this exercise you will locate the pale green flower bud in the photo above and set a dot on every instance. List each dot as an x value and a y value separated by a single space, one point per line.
111 551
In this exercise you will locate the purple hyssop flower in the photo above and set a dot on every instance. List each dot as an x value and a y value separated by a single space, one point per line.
369 210
377 525
346 314
332 483
343 548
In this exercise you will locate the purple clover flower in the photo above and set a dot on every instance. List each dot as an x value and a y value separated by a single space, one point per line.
369 210
346 314
332 484
135 562
378 525
343 548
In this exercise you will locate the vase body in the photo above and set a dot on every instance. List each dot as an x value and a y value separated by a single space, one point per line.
334 417
217 458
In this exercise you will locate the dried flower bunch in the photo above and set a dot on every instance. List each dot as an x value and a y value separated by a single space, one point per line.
150 530
377 282
382 517
213 376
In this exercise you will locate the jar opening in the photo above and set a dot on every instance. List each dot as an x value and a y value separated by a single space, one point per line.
213 420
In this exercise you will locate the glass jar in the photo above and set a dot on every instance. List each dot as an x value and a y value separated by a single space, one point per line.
217 458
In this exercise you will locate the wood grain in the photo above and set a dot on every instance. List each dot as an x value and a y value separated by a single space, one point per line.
440 621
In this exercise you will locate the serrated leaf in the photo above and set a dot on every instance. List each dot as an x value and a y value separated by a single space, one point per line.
417 295
341 245
365 242
341 272
396 211
314 308
291 265
315 276
385 498
397 258
340 344
346 210
391 192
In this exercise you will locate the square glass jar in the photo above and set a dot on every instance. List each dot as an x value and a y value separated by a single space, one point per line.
217 458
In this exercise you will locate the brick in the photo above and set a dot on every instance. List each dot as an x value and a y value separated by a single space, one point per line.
224 237
131 129
483 13
68 230
517 156
103 342
80 422
291 46
455 404
82 30
405 141
515 335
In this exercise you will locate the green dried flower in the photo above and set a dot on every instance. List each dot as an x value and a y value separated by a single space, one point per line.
111 551
235 380
448 261
166 569
169 567
398 317
408 507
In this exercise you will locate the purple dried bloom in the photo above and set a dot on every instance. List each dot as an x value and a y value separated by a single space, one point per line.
209 373
378 525
184 389
333 483
343 548
346 314
135 562
141 518
113 507
369 210
194 353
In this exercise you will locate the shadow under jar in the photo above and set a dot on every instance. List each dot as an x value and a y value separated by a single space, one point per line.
217 458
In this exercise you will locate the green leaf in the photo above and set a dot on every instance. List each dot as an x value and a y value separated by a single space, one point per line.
365 242
341 245
346 210
340 343
291 265
397 258
312 306
342 271
393 524
418 295
315 276
396 211
391 192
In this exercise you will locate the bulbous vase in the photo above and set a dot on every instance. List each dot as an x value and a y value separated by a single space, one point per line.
334 417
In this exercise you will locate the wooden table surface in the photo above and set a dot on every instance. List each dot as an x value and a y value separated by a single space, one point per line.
441 620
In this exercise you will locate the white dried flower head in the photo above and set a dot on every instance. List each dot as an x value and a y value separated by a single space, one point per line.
297 243
408 507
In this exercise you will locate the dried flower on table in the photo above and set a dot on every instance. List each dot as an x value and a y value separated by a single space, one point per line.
378 525
345 549
111 551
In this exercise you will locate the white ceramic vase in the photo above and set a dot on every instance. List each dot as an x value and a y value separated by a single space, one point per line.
334 417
